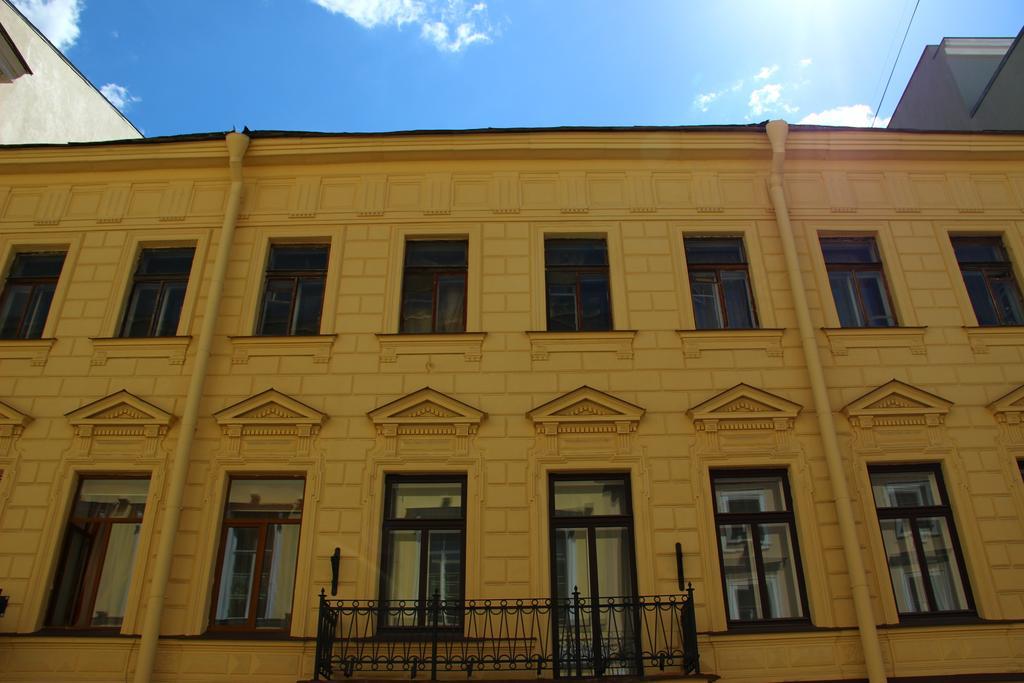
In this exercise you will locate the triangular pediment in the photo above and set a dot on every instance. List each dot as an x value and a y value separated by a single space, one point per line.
120 408
1012 402
586 404
11 417
426 406
270 407
897 398
744 402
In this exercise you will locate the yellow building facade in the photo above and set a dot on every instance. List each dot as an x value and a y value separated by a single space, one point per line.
506 365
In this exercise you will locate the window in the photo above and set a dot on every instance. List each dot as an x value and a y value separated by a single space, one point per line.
95 570
423 550
757 544
990 282
259 549
576 278
920 540
434 287
293 294
719 283
158 292
858 282
27 294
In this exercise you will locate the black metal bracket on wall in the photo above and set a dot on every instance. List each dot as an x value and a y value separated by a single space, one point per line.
335 568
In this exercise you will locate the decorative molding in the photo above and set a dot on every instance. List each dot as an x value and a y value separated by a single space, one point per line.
507 196
174 203
707 193
113 203
695 342
121 424
620 342
438 199
171 348
372 196
52 203
12 424
981 338
898 415
467 344
35 350
305 197
745 417
586 420
318 346
270 424
841 198
902 191
572 192
1009 413
842 339
640 192
964 193
425 420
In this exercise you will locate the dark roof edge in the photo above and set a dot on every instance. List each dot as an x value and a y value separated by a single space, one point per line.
995 74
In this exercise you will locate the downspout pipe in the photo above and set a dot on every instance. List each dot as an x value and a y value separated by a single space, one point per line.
777 132
237 144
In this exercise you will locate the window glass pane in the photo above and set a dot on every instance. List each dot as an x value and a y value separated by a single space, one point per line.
439 254
875 299
714 250
451 303
905 489
12 309
738 300
77 546
112 592
1007 298
277 576
170 309
943 570
403 577
111 498
904 566
740 570
265 499
845 298
981 301
444 573
426 500
780 576
849 250
237 575
979 250
417 302
277 307
42 265
310 293
575 252
750 494
300 257
165 261
561 290
614 562
707 310
590 497
595 302
141 307
572 563
38 309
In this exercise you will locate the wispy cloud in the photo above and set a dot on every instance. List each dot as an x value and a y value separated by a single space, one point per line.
805 62
56 19
119 95
854 115
703 100
450 25
766 72
768 98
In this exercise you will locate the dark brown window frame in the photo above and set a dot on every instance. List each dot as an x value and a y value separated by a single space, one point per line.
426 525
986 269
163 281
85 600
578 270
912 513
716 269
34 282
436 272
859 267
755 519
262 524
295 276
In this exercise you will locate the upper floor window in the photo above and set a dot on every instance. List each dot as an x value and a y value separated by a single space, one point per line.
576 279
990 281
758 547
293 292
158 292
91 585
920 540
858 282
719 283
259 549
27 294
434 287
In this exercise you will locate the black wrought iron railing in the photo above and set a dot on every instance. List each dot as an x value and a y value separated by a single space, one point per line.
576 637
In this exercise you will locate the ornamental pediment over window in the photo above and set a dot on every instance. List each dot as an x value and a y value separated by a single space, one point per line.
12 424
1009 412
587 411
744 407
898 414
419 418
119 424
270 424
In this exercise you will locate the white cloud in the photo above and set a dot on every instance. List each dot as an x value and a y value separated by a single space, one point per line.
449 25
766 72
854 115
806 61
704 100
768 98
119 95
55 19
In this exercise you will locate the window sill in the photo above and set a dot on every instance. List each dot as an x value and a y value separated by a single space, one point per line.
769 628
242 635
77 633
932 620
35 350
619 342
468 344
696 342
171 348
842 339
981 338
317 345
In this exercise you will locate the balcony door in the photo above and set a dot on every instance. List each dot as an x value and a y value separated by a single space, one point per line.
593 576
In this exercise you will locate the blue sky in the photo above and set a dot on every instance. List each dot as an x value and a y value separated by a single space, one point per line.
374 65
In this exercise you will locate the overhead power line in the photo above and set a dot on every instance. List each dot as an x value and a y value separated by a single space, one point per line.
895 62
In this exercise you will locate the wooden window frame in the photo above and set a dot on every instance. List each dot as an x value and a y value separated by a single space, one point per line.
986 268
578 270
859 267
33 282
436 272
262 524
163 281
716 269
911 514
295 276
755 520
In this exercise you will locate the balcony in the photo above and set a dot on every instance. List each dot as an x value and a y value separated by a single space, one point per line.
575 637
